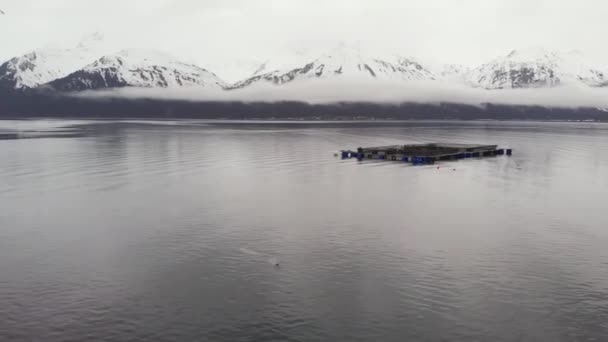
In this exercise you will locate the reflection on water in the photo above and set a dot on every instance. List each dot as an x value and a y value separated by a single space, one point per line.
170 231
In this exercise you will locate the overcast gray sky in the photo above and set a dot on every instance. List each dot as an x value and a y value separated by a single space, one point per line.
462 31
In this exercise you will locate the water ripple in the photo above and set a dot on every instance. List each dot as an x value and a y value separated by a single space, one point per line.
141 230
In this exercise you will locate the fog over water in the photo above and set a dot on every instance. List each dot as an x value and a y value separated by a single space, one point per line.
377 91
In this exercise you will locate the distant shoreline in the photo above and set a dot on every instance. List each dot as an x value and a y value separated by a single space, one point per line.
304 120
37 105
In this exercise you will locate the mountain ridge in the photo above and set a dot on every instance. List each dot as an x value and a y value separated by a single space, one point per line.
536 67
344 62
89 66
44 65
137 68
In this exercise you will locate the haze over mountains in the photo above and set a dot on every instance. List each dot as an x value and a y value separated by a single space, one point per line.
343 73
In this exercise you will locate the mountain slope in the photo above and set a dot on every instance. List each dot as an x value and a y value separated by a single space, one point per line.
536 68
45 65
137 68
344 63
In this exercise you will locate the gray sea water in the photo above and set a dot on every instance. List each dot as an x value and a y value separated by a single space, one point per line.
169 231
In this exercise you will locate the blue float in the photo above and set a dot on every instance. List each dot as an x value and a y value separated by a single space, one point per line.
418 160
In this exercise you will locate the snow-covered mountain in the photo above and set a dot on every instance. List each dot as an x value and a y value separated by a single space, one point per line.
345 63
412 69
90 65
537 67
44 65
137 68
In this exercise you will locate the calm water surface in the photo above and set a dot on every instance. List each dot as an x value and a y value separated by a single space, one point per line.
168 231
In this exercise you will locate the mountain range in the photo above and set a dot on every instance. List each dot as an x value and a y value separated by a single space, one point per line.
137 68
347 63
537 68
91 66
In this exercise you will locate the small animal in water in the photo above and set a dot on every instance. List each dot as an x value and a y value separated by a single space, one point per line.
274 262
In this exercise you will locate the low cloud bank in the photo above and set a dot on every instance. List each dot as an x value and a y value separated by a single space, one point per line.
316 91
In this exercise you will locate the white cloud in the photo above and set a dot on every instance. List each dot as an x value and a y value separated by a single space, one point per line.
332 91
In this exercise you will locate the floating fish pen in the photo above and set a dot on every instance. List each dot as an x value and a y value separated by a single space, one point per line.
419 154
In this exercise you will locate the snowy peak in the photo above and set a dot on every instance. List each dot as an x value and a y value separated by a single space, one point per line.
346 63
44 65
41 66
518 69
132 58
537 67
415 69
138 68
354 62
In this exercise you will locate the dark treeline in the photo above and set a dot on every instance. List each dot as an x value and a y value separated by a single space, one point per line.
23 105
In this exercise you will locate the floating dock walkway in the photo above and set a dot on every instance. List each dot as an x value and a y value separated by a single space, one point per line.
419 154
